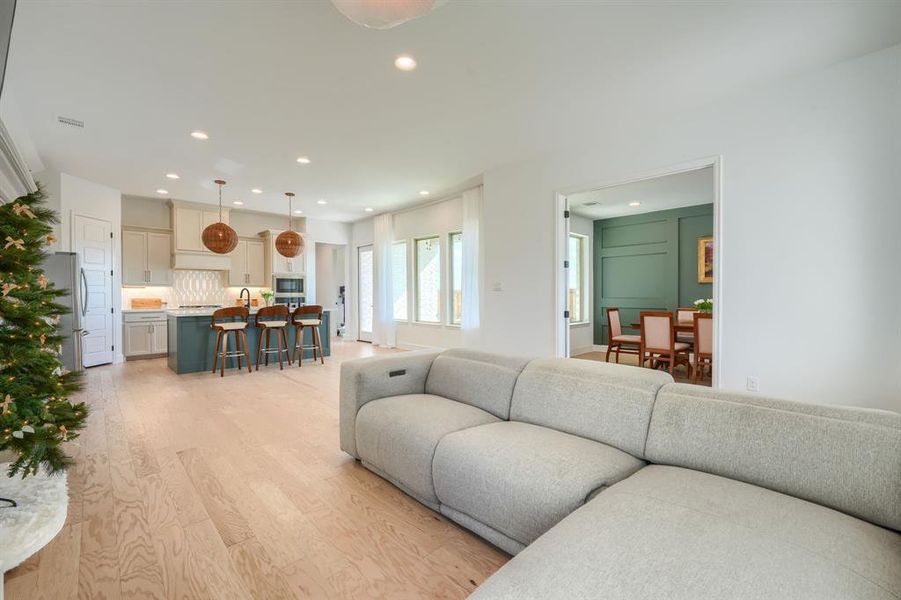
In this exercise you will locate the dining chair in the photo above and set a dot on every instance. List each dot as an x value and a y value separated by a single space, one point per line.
658 342
684 316
703 351
224 321
307 317
616 340
273 319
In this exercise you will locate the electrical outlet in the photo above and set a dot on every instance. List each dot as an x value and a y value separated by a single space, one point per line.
753 384
497 286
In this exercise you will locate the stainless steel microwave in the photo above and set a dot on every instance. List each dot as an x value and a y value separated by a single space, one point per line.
287 285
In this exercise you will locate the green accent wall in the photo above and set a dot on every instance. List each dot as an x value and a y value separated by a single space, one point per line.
648 262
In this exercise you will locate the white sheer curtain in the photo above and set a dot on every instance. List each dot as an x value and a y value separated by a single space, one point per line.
472 218
384 332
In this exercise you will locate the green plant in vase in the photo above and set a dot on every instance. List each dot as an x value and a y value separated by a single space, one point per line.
704 305
267 296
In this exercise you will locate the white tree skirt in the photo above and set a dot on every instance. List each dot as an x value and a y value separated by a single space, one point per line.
41 513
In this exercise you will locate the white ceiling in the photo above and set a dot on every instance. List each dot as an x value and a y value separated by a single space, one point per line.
270 81
679 190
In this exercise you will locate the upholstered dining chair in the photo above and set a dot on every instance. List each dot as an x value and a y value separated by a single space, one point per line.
703 354
617 341
684 316
658 342
307 317
273 319
232 319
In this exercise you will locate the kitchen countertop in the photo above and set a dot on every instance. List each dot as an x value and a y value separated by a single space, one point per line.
192 312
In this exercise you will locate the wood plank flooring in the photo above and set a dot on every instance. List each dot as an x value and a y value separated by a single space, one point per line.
680 375
197 486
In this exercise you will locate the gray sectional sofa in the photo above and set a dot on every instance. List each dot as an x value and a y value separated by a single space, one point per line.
609 481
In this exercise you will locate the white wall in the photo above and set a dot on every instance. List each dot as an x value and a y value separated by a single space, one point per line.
581 336
809 243
328 232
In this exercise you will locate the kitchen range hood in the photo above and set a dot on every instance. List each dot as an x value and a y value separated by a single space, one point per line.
193 261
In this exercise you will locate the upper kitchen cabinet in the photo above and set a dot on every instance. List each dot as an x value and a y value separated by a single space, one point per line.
188 223
247 264
146 257
276 264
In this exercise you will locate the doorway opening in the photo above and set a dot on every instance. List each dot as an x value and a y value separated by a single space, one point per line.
647 245
331 283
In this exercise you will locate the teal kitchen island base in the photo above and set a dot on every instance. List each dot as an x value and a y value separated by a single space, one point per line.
191 342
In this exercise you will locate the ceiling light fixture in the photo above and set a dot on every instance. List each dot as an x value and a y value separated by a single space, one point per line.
172 175
289 243
634 203
368 209
219 237
257 191
424 193
405 62
200 135
321 202
162 192
238 203
303 160
385 15
297 211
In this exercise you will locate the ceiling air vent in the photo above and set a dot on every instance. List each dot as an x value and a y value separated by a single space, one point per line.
70 122
591 203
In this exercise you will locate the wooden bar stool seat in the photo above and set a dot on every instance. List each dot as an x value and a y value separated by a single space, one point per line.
311 317
224 321
273 319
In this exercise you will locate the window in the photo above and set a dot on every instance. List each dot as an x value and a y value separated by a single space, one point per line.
456 278
577 298
428 280
399 279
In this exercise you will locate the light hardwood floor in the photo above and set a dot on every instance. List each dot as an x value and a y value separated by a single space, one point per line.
197 486
679 375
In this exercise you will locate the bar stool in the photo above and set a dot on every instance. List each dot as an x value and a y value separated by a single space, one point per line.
224 322
310 317
271 319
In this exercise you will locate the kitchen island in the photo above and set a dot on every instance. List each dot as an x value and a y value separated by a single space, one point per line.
192 341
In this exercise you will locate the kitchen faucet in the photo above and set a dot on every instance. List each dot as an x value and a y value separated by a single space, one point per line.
241 297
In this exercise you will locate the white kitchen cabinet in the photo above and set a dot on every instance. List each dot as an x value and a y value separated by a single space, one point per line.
247 264
189 221
145 334
146 258
276 264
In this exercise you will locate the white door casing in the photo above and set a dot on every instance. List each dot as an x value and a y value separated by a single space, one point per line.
94 244
365 292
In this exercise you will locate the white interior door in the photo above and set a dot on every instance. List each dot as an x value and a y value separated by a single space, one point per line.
365 287
94 244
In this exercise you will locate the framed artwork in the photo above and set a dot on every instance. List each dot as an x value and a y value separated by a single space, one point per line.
705 259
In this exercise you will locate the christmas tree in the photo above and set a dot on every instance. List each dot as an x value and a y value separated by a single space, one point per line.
35 416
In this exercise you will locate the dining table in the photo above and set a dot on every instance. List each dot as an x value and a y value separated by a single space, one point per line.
678 327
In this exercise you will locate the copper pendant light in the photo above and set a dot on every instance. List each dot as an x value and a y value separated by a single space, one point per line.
289 243
219 237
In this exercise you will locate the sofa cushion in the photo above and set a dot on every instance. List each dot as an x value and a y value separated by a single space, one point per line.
668 532
521 479
398 435
605 402
844 458
477 378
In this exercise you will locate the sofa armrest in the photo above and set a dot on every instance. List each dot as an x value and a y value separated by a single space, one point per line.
366 379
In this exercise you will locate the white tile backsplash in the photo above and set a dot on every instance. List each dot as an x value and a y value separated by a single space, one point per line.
190 287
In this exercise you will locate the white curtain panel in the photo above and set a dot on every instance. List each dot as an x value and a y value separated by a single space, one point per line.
472 219
384 331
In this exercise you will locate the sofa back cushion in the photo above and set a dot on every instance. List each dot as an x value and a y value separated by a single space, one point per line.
845 458
477 378
608 403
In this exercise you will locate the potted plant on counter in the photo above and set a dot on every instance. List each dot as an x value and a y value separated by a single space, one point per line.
267 296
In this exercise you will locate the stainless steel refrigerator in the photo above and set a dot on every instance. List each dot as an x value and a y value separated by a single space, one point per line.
63 269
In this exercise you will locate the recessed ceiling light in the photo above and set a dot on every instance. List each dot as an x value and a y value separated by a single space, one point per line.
199 135
162 192
405 62
368 209
257 191
424 193
238 203
172 175
634 203
297 211
321 202
303 160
